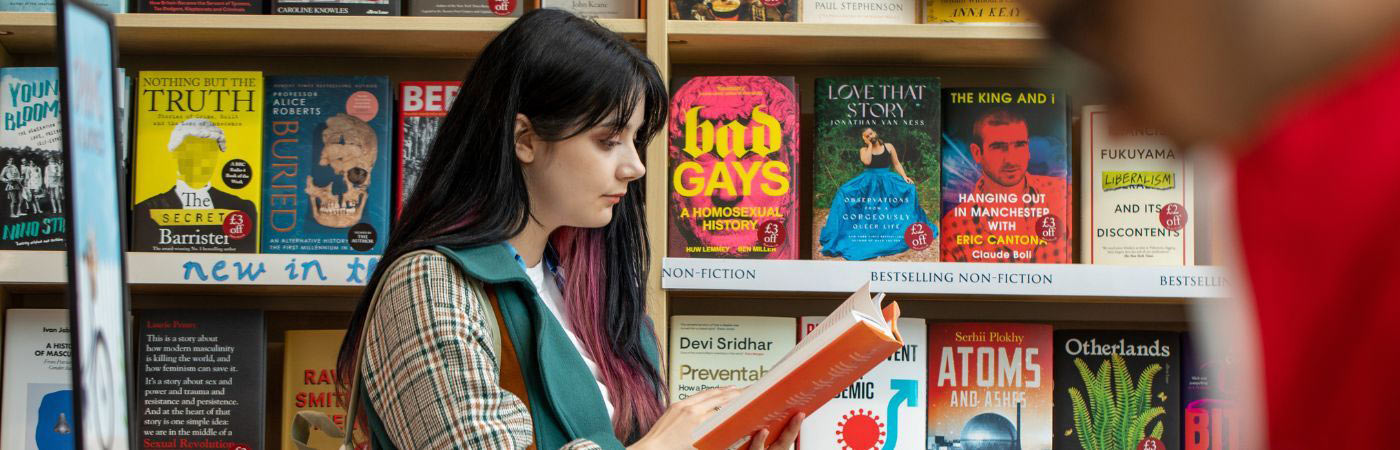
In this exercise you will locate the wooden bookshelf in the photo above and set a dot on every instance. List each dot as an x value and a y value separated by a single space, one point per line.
731 43
204 34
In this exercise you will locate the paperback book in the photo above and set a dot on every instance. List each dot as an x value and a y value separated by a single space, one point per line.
974 12
38 393
313 415
718 351
737 10
201 6
1006 176
876 176
861 11
733 168
1117 390
597 9
197 184
31 160
114 6
326 183
1212 420
466 8
1138 196
422 107
991 386
336 7
884 409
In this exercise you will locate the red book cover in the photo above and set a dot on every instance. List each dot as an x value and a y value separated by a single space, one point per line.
1006 176
990 386
422 107
733 168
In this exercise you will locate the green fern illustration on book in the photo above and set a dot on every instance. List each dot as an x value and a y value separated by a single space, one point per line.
1118 412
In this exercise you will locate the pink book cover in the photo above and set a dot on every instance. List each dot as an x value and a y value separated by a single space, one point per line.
733 162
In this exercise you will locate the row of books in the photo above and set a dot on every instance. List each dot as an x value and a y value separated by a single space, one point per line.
902 169
201 381
983 386
231 161
816 11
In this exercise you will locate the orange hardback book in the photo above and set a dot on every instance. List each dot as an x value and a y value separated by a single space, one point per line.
852 340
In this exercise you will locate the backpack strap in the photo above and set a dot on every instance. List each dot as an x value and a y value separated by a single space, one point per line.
511 377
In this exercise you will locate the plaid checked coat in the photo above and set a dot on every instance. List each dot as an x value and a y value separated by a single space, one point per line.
430 376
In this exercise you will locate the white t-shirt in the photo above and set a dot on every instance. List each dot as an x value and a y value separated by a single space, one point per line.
553 299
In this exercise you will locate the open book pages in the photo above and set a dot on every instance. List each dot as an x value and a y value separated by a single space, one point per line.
848 343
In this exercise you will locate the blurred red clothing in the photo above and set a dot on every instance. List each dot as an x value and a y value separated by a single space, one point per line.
1318 197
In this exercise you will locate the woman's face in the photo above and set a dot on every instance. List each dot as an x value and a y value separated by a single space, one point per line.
869 135
577 181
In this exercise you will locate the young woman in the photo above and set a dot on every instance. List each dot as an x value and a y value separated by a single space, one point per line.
880 195
525 323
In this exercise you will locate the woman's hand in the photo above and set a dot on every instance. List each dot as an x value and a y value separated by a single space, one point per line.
908 180
673 429
784 441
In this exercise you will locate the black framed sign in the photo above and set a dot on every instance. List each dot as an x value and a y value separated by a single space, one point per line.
97 293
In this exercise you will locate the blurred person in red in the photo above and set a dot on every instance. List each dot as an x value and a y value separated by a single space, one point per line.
1303 97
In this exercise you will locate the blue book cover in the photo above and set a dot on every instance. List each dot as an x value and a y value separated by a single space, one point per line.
31 160
115 6
327 167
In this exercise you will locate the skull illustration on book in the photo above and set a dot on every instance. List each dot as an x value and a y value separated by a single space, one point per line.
349 147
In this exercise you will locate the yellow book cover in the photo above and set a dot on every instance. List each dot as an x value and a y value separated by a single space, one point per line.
974 11
308 385
196 181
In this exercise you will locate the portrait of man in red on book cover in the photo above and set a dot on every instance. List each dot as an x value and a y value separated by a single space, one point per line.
1006 177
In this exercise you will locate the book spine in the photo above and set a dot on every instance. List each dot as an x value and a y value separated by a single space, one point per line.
990 11
466 8
200 6
304 8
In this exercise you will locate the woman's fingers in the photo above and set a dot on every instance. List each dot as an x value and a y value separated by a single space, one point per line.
710 404
757 442
784 441
789 435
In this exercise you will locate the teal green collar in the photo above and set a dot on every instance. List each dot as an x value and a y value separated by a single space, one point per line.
492 263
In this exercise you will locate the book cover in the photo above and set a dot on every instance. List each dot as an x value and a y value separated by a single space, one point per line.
597 9
876 176
308 384
733 168
31 160
716 351
38 394
1211 419
1006 176
737 10
974 12
337 7
1138 196
861 11
884 409
201 6
1117 390
197 181
466 8
845 345
423 106
326 165
114 6
202 378
991 386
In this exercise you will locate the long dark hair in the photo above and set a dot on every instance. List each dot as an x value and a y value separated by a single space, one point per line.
567 75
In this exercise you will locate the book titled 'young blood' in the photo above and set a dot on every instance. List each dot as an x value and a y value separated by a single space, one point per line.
733 168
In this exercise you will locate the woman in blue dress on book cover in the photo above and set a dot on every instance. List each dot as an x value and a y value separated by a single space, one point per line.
872 211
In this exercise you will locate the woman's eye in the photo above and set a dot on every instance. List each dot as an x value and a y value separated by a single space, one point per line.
610 143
